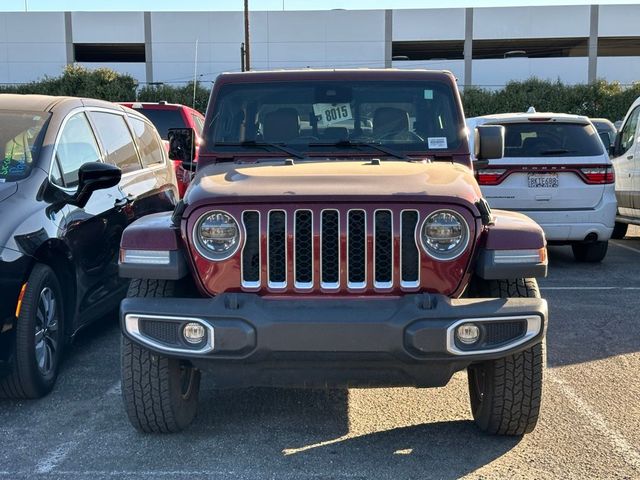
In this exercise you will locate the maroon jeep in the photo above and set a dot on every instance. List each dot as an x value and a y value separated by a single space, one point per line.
334 236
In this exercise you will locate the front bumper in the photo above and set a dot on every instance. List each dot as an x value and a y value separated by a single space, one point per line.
400 341
14 267
575 225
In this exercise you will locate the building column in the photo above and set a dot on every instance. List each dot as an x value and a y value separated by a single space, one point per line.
593 45
468 47
388 38
68 37
148 59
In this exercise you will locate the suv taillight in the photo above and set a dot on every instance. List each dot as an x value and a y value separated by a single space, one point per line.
598 175
490 176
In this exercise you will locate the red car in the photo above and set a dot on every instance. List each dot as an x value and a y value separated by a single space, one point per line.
172 115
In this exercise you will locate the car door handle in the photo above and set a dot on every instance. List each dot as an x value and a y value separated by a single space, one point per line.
630 157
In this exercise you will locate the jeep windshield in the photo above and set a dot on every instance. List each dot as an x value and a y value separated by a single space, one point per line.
374 118
21 136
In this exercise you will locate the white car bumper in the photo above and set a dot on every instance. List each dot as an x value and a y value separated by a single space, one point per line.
575 225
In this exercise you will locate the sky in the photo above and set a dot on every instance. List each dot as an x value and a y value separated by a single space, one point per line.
219 5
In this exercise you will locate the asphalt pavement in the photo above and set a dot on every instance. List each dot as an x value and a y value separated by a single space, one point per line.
589 425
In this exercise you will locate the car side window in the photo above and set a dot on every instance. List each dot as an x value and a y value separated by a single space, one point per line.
76 146
199 123
148 142
117 141
628 132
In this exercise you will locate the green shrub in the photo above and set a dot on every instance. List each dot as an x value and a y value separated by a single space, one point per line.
601 99
183 95
78 81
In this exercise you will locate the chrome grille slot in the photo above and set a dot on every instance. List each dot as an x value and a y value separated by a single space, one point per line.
330 249
383 249
277 249
409 254
357 249
251 250
303 249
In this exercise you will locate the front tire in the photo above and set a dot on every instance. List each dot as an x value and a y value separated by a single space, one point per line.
591 252
39 338
160 393
506 393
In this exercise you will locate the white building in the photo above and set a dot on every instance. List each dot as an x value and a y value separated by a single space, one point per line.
575 44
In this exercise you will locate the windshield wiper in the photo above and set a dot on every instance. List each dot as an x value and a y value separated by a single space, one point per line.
265 145
375 146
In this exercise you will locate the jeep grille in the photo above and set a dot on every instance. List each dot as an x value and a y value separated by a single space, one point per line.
332 248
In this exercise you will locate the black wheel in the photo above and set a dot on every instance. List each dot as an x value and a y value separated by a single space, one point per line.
619 230
160 394
592 252
39 338
506 393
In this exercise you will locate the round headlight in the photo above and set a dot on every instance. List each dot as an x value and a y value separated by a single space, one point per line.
444 235
217 234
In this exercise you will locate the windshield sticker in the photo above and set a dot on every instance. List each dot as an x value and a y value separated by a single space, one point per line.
330 113
4 168
437 142
428 94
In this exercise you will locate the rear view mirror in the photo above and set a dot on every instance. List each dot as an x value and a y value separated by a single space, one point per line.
182 145
488 142
94 176
606 139
614 149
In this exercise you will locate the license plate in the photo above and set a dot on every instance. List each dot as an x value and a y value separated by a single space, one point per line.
543 180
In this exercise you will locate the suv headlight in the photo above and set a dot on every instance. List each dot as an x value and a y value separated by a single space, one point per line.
217 235
444 235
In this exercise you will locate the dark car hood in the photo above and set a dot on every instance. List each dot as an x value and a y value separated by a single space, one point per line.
7 189
333 179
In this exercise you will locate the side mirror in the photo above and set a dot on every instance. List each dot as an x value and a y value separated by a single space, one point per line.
614 149
488 142
182 145
606 139
94 176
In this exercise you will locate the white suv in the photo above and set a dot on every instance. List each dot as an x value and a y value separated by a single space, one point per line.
557 171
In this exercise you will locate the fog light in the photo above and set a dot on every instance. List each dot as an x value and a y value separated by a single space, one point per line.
468 333
193 332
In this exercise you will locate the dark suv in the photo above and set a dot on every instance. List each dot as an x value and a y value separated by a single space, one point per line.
334 235
73 174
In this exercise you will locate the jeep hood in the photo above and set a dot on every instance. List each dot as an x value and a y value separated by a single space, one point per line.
329 180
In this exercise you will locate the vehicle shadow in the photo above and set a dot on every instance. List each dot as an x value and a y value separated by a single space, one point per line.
309 430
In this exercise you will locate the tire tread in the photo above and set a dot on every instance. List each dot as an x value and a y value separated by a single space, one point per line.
514 395
146 376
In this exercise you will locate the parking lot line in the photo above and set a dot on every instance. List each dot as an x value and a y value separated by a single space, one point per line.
621 245
55 457
192 473
589 288
116 389
630 454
